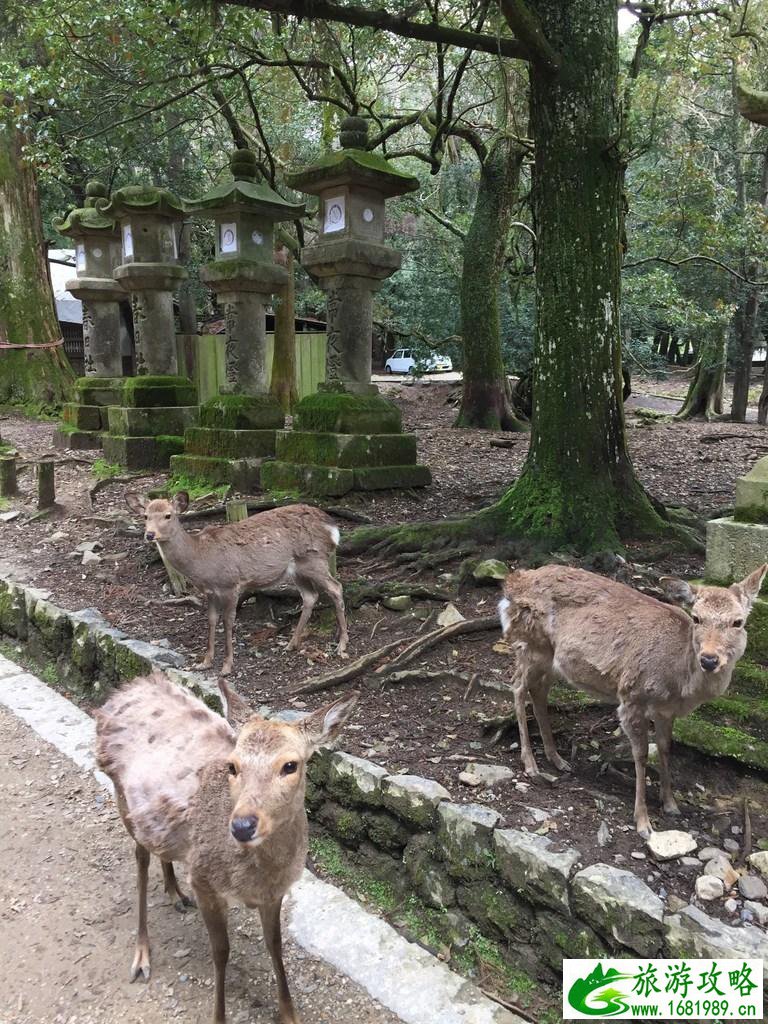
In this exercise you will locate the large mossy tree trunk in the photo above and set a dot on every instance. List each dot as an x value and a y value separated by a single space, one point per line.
283 385
39 380
578 486
705 393
484 397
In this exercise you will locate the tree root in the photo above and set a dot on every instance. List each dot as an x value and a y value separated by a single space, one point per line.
377 592
408 675
350 671
101 484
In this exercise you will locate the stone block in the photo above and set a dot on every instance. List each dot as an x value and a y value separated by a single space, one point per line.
101 391
13 610
142 452
413 799
381 478
242 412
346 450
50 629
693 933
83 417
150 422
618 904
496 910
243 475
354 780
385 831
342 822
77 440
465 832
319 481
533 865
752 494
431 880
559 937
734 550
229 444
151 392
339 412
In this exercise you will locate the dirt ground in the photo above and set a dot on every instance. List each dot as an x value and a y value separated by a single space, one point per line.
424 727
67 948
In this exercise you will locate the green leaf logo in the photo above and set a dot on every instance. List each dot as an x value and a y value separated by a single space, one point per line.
598 987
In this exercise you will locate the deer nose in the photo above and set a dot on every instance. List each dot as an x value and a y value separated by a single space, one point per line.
709 662
149 535
244 829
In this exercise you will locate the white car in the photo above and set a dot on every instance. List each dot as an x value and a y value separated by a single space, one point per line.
404 361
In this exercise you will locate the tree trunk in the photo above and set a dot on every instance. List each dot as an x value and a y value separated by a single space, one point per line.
39 380
705 394
283 385
484 398
747 325
578 486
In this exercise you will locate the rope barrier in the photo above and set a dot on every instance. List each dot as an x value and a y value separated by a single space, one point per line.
44 344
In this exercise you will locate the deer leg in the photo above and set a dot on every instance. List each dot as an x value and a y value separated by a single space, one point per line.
664 744
333 589
230 612
214 913
635 725
520 689
308 602
539 690
140 966
270 923
213 621
172 890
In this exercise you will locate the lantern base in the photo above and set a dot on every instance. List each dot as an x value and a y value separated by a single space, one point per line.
145 426
67 437
242 475
142 452
334 481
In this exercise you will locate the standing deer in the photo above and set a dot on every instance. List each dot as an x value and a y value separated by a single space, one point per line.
601 636
287 546
230 807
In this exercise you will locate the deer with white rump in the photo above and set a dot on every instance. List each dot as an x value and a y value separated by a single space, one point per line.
230 806
288 546
655 661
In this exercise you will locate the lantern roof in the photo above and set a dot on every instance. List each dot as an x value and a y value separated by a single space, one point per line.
89 217
243 192
353 164
143 199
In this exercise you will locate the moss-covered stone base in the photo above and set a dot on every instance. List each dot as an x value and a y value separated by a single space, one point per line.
84 417
131 421
346 450
338 412
78 440
333 481
229 444
142 452
100 390
151 392
243 475
242 412
734 550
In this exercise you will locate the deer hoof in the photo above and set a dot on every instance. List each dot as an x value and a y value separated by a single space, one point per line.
226 670
183 903
140 967
561 764
203 666
672 809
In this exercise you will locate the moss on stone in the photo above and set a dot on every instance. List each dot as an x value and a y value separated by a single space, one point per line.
750 680
385 831
81 417
229 444
318 481
152 391
151 422
347 450
340 412
564 937
242 412
13 611
721 741
495 909
344 823
757 631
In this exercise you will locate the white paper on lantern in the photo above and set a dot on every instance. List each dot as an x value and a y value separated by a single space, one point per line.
80 256
368 215
334 215
256 237
229 237
175 243
97 253
127 240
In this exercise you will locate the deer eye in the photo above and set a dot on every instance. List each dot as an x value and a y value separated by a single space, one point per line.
232 768
696 620
289 768
167 515
738 623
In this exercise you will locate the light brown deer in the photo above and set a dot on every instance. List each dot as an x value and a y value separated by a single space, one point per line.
288 546
654 660
229 806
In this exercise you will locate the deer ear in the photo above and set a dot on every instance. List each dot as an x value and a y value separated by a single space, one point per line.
678 591
180 501
325 724
134 503
749 588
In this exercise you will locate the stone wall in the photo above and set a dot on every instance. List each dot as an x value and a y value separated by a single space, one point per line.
463 879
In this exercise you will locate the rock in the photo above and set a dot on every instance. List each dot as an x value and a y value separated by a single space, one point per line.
522 787
353 779
469 779
637 855
449 616
490 570
710 852
731 905
709 888
57 536
466 832
604 837
671 844
758 910
430 877
746 916
675 903
731 846
619 904
690 862
8 517
491 774
759 861
720 867
752 888
398 603
412 798
90 558
89 545
537 815
692 933
532 865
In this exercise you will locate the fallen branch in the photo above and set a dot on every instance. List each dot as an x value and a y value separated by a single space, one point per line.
505 442
351 671
101 484
515 1007
346 513
185 599
377 592
407 675
746 848
417 648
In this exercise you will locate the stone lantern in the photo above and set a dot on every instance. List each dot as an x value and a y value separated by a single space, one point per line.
238 427
97 248
347 436
158 405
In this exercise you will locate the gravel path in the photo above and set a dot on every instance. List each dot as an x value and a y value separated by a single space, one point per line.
67 918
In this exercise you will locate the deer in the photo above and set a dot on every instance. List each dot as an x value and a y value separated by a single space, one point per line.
289 546
226 802
653 659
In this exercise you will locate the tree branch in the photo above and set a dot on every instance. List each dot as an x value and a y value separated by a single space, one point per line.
530 34
695 259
